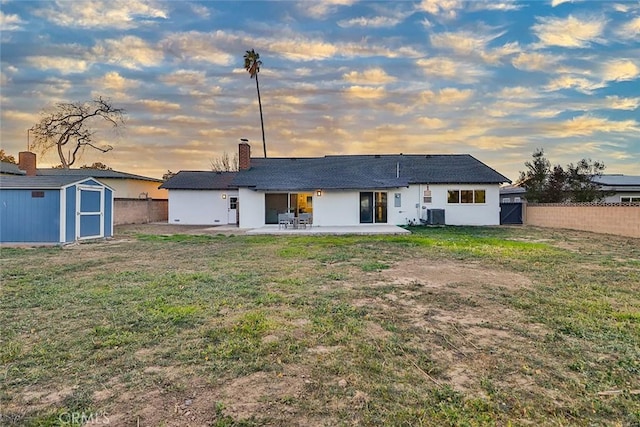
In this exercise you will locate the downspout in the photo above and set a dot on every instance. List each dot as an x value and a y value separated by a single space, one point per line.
419 204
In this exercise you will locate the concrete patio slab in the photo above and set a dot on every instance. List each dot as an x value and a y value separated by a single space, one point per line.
336 230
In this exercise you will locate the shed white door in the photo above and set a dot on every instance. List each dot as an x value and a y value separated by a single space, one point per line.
90 211
233 210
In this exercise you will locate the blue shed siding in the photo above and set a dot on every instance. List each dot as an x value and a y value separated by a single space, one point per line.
108 212
90 225
29 219
92 182
89 201
70 213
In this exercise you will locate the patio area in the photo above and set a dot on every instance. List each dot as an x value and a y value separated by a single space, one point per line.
336 230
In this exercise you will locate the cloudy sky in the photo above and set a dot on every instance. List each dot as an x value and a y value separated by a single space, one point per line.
493 79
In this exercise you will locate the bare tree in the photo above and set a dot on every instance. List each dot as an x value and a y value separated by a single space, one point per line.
7 158
97 165
224 163
71 126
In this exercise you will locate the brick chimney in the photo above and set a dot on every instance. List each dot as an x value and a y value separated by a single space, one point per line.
27 162
244 156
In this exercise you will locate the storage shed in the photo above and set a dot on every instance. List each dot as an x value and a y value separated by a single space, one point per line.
54 209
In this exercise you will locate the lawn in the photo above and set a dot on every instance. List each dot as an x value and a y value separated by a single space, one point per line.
446 326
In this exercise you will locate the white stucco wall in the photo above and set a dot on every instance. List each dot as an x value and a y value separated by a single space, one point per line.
251 208
199 207
343 207
469 214
616 197
336 208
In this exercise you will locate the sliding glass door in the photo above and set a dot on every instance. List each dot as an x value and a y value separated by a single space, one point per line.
277 203
373 207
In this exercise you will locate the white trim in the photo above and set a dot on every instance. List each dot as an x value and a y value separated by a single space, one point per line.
63 215
79 213
112 213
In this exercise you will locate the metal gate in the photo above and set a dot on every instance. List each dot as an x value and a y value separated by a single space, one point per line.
510 213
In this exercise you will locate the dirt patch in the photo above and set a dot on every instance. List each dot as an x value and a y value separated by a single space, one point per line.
178 397
463 342
121 231
438 274
264 393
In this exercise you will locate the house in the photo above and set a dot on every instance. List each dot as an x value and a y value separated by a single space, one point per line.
512 194
351 190
54 209
625 188
137 199
202 198
10 169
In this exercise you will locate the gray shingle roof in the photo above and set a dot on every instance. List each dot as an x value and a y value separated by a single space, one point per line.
10 168
96 173
200 180
37 182
365 172
617 180
512 189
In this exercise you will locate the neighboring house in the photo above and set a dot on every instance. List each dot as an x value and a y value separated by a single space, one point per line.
54 209
512 194
367 189
125 185
137 199
626 188
7 168
202 198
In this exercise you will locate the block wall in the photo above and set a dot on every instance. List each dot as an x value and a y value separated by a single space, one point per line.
622 220
138 211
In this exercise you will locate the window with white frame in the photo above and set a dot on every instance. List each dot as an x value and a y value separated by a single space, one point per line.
629 199
426 197
453 196
467 196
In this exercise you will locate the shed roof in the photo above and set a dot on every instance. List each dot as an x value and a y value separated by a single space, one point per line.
38 182
365 172
200 180
512 189
96 173
11 169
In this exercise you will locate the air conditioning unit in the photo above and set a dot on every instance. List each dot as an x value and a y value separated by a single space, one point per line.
434 217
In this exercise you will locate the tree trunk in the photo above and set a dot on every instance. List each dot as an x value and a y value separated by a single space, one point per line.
264 143
63 160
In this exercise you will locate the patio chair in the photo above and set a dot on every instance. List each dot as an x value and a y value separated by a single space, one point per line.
304 219
285 219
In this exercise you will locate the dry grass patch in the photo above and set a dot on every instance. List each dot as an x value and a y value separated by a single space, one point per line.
447 326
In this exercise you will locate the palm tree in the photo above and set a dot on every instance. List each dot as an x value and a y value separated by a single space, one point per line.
252 64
